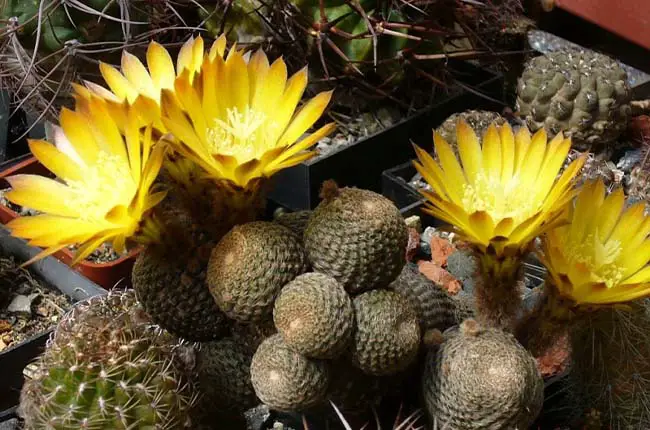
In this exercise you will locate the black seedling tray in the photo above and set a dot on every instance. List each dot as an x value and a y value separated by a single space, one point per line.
55 274
362 163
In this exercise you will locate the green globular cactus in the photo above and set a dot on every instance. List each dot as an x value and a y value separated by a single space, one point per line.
583 94
481 378
62 24
352 47
240 20
108 367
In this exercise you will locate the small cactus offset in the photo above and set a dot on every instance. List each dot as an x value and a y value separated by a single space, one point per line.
108 367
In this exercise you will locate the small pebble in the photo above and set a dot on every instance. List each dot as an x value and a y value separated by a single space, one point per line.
42 311
256 417
11 424
629 160
425 239
22 304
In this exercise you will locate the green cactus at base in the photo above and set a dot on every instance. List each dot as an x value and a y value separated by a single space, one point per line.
107 367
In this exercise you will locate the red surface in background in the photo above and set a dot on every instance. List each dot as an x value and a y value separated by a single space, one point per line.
627 18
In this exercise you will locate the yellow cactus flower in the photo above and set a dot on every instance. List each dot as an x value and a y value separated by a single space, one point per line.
102 189
135 79
506 192
236 119
602 256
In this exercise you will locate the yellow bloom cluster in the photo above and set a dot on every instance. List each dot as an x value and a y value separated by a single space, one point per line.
235 115
503 194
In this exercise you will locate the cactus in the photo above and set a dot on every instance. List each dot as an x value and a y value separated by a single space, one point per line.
584 94
107 367
481 379
610 371
385 50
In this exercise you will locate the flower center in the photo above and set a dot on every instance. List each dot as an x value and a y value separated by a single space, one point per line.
237 135
597 257
105 184
500 200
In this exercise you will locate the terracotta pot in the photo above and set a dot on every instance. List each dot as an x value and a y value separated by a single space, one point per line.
627 18
106 275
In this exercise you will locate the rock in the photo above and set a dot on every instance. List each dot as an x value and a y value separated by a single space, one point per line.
256 417
11 424
414 222
425 239
413 244
629 160
42 311
441 249
22 303
439 276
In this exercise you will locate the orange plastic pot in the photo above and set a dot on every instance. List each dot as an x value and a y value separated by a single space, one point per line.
106 275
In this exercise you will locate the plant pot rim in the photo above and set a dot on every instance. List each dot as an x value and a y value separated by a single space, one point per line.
45 270
64 253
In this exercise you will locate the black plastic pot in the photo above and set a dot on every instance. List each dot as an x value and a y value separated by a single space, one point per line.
395 186
13 124
362 164
56 274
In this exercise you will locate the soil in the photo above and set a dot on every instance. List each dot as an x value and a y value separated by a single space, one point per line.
350 129
103 254
28 306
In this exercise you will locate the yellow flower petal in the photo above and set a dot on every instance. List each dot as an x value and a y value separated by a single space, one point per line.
291 97
161 67
54 160
482 226
305 118
609 213
507 152
42 194
75 127
469 150
492 152
258 68
522 145
218 47
138 76
451 169
304 144
119 84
